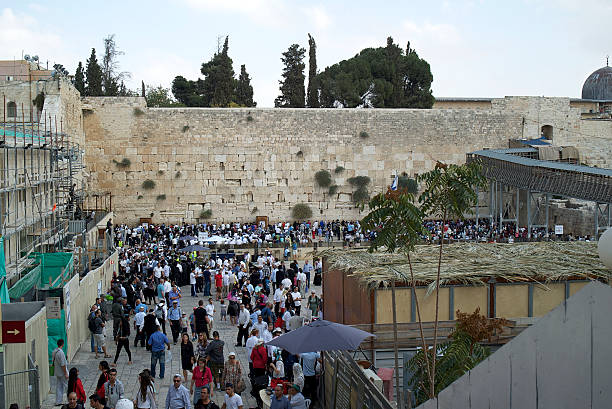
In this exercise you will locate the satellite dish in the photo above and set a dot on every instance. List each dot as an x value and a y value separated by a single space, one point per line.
35 58
26 57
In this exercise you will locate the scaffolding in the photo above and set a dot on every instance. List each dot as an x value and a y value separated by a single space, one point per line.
38 190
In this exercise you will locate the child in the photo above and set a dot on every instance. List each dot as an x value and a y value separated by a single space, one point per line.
184 324
223 310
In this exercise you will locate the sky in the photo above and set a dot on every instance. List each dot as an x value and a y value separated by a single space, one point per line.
476 48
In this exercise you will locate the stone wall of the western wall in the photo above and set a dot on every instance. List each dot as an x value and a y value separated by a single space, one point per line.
246 162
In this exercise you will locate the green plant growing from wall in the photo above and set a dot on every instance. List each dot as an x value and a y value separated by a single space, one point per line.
323 178
363 135
339 169
333 189
301 211
185 128
39 101
160 172
161 197
407 183
138 112
177 175
148 184
249 118
123 164
140 197
205 214
254 210
361 194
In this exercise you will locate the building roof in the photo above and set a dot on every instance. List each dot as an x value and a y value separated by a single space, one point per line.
598 85
474 264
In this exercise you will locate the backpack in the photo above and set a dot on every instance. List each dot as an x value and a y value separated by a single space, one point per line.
159 313
91 324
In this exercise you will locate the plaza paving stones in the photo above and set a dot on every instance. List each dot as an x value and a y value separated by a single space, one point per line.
87 365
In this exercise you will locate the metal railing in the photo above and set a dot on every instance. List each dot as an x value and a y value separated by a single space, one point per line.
21 387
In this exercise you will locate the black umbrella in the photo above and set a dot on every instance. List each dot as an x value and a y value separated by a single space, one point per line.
195 247
321 335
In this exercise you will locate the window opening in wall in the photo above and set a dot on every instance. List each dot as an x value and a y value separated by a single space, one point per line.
11 110
547 132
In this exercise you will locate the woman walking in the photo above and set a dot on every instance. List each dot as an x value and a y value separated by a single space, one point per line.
202 376
103 368
259 357
75 385
232 373
123 340
187 356
145 397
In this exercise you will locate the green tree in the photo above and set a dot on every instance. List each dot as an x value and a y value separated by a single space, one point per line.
79 79
292 89
93 74
384 77
159 97
112 78
244 90
189 93
313 89
219 81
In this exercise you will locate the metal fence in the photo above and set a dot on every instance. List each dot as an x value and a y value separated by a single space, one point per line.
345 386
21 387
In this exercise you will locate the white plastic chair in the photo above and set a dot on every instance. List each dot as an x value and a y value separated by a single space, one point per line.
307 403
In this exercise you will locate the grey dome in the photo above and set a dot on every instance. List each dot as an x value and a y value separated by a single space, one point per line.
599 85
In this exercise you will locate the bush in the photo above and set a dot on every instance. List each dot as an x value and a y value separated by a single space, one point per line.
359 181
301 211
140 197
363 134
323 178
361 195
339 169
333 189
177 175
300 154
249 118
138 112
206 214
125 163
185 128
161 197
148 184
254 210
160 172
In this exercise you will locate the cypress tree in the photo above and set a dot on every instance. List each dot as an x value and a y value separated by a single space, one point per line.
219 83
94 76
313 89
244 90
293 94
79 79
143 93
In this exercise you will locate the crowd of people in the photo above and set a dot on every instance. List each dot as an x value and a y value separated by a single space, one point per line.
260 296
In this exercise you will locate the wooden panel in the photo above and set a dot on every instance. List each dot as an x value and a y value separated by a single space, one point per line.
356 304
511 301
467 299
545 298
384 313
332 294
575 287
427 304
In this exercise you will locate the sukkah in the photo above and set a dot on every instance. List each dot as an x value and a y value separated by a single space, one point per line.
474 264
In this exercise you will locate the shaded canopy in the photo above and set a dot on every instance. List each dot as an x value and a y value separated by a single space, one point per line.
473 264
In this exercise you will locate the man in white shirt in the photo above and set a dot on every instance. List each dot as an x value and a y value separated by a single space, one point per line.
250 344
261 326
192 282
286 319
286 283
139 325
210 310
278 296
157 272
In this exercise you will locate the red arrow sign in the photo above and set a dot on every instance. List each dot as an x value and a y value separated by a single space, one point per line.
13 332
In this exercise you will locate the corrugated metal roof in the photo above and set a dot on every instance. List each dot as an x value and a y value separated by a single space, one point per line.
496 154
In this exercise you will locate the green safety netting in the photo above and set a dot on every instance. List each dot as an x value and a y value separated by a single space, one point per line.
56 329
52 271
4 294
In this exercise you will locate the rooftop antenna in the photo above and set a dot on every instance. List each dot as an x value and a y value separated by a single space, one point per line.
607 58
